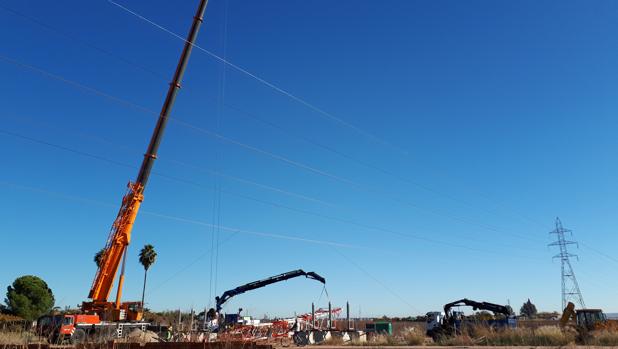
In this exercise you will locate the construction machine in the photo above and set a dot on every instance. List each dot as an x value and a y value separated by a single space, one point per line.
99 311
212 316
449 322
585 319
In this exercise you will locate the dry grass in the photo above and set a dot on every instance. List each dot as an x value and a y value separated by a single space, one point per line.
412 336
20 337
378 340
481 335
461 340
603 338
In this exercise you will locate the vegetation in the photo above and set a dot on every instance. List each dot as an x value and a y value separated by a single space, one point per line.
98 257
483 335
412 336
29 297
147 257
603 338
528 309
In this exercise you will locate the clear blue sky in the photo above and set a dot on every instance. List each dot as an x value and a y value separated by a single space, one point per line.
500 116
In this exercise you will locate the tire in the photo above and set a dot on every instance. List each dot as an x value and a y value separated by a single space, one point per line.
78 337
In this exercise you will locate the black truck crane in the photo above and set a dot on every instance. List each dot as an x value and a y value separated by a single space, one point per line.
494 308
445 324
214 313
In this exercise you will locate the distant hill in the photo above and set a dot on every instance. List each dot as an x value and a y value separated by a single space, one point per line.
613 316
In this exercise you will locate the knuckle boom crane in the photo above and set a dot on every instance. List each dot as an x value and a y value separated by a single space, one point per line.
220 300
441 324
115 251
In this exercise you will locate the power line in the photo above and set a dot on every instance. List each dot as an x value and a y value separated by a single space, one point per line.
271 85
283 159
366 164
376 280
189 220
306 212
187 266
306 139
118 145
81 42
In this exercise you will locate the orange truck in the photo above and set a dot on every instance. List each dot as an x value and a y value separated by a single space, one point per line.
79 328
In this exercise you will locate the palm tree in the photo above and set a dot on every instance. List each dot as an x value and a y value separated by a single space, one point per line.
147 257
98 257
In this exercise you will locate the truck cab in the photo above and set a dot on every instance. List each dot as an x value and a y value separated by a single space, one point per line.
435 319
74 326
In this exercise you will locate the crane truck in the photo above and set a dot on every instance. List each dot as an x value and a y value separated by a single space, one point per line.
213 315
99 314
449 322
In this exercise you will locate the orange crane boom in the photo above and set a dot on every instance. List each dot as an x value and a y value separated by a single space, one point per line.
119 238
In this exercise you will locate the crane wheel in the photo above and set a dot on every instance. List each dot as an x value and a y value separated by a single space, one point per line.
78 337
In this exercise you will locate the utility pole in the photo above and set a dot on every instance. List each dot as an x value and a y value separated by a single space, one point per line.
570 287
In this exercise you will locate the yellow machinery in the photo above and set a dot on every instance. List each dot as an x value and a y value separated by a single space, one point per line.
588 319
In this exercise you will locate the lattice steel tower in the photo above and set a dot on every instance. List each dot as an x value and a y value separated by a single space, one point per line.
570 288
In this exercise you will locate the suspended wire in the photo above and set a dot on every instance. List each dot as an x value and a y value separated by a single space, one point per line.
186 267
118 145
608 257
190 220
271 85
223 60
192 183
79 86
300 136
217 136
81 41
283 159
220 112
330 149
376 280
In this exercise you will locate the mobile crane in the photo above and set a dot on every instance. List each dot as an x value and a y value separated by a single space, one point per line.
213 314
99 312
445 323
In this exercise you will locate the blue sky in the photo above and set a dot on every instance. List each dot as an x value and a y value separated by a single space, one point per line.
468 127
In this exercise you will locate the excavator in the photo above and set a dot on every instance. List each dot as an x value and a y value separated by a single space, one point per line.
212 316
449 322
99 312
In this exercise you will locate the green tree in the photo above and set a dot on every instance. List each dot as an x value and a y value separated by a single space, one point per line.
528 309
98 257
147 257
29 297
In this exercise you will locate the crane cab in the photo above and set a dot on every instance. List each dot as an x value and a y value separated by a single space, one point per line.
590 318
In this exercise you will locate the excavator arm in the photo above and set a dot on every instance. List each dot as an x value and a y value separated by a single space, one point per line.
265 282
